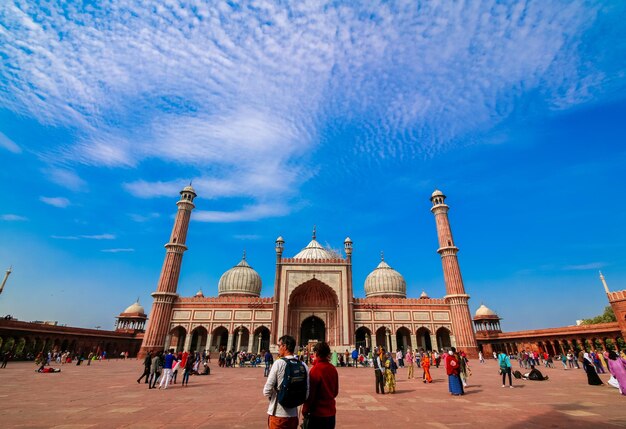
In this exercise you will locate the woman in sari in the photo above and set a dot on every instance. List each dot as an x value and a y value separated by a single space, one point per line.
452 369
426 367
592 376
617 367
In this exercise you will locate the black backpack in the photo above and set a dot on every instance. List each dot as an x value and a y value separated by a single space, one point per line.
292 391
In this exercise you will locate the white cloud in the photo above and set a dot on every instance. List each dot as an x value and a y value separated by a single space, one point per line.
60 202
143 218
118 250
247 237
66 178
13 217
248 213
65 237
99 237
584 267
245 95
9 144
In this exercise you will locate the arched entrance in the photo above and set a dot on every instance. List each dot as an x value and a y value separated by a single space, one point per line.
313 313
198 339
381 337
443 338
363 338
423 339
312 329
403 338
261 339
177 339
219 339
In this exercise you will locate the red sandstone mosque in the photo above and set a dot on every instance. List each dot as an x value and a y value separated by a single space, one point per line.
313 300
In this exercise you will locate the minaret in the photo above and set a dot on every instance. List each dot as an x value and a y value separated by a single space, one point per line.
165 295
455 291
6 276
280 246
347 247
606 287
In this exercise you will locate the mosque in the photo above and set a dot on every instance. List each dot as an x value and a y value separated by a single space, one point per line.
313 300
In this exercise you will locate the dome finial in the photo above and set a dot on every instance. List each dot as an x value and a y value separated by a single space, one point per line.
244 254
382 255
314 232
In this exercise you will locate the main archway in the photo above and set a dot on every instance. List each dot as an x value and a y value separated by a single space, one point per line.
313 313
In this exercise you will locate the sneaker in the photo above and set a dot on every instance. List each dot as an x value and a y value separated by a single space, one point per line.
511 387
503 385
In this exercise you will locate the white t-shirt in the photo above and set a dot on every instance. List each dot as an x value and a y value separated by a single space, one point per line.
274 379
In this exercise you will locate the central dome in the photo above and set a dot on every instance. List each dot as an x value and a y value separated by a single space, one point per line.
135 308
314 250
240 280
386 282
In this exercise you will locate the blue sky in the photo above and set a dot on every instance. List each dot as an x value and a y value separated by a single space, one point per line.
334 114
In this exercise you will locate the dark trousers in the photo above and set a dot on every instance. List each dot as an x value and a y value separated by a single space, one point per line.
322 422
186 375
504 373
146 373
266 371
380 382
152 380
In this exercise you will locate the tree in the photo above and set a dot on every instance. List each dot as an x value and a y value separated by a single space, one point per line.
606 317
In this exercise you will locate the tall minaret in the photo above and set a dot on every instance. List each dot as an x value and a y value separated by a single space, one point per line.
165 295
603 280
455 291
6 276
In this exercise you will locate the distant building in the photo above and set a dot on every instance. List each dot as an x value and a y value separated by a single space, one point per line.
313 300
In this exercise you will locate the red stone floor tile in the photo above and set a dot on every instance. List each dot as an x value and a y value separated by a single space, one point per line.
106 395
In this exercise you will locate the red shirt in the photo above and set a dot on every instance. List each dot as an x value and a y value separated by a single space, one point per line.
452 365
323 389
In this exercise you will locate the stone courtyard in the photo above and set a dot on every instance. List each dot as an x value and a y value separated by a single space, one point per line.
106 395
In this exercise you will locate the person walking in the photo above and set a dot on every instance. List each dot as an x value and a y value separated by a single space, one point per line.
592 376
451 364
426 367
147 362
481 358
379 370
188 368
167 369
617 367
505 368
5 359
269 360
155 370
409 362
355 357
320 408
280 417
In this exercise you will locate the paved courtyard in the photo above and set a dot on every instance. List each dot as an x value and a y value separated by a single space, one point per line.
106 395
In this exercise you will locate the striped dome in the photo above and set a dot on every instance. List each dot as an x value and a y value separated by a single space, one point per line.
240 280
386 282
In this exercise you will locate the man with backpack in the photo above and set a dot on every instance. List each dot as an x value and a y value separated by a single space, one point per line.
287 386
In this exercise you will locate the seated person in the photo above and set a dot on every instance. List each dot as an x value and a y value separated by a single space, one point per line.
535 375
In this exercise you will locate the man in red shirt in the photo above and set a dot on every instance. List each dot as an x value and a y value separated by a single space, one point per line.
323 389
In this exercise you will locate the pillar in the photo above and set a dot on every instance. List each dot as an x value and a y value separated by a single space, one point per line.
239 336
231 340
187 345
414 340
394 342
388 345
165 295
433 342
456 297
258 348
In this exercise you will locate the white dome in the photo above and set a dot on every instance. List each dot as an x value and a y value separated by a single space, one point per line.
424 295
385 281
135 308
240 280
314 250
199 294
437 193
484 311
